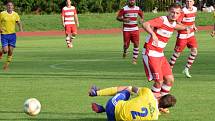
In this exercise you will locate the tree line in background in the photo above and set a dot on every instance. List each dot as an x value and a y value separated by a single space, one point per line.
84 6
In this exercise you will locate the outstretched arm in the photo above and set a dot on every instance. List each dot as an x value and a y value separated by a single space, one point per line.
94 91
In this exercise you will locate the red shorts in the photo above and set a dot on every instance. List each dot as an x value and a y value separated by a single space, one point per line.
71 29
156 68
132 36
182 43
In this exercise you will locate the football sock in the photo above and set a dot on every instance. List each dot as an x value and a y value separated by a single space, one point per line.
107 91
165 89
156 90
190 60
173 58
135 53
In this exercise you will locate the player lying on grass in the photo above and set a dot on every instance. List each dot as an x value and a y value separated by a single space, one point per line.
142 107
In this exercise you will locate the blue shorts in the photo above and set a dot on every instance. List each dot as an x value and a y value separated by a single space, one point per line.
110 106
8 40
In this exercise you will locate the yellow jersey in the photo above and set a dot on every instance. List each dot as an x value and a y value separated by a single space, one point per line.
8 22
142 107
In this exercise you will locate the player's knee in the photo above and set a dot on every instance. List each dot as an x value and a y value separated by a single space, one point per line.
5 51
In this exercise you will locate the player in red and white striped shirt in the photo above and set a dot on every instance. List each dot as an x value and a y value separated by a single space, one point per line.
156 65
183 39
128 15
70 22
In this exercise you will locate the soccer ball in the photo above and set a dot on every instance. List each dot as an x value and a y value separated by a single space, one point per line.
32 107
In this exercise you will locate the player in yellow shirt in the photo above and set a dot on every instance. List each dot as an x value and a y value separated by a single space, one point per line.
142 107
8 21
213 32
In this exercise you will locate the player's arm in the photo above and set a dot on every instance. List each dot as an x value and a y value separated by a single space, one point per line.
0 24
94 91
182 27
62 18
141 16
76 20
213 32
121 18
149 29
19 23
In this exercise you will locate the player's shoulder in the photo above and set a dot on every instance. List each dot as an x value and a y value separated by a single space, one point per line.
195 8
3 12
15 13
144 90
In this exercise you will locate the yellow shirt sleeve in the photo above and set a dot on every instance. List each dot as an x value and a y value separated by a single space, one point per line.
17 17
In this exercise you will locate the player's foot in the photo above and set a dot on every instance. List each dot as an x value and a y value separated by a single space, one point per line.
69 45
134 61
124 55
187 73
93 91
164 110
97 108
5 66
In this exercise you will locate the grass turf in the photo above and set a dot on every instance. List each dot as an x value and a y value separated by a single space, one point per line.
60 78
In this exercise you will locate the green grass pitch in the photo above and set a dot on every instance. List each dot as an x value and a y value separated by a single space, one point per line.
60 78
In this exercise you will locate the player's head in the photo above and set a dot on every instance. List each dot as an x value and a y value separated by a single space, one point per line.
68 3
174 12
131 2
10 6
167 101
189 3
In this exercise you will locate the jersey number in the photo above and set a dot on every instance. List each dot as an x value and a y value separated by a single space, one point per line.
141 114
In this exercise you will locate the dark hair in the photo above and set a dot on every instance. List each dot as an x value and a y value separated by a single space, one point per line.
175 5
8 1
167 101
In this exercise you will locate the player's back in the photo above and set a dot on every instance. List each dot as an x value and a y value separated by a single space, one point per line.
142 107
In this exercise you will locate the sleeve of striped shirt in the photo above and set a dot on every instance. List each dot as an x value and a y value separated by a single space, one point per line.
121 12
62 12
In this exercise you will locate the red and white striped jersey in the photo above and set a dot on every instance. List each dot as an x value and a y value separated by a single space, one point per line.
164 30
187 18
131 13
68 14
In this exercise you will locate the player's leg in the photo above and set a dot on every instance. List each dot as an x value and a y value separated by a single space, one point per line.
110 106
167 76
135 39
192 44
4 43
11 46
126 43
74 33
68 36
179 47
152 67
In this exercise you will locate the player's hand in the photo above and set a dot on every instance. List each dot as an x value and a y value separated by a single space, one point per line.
212 33
155 40
188 30
195 29
126 20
